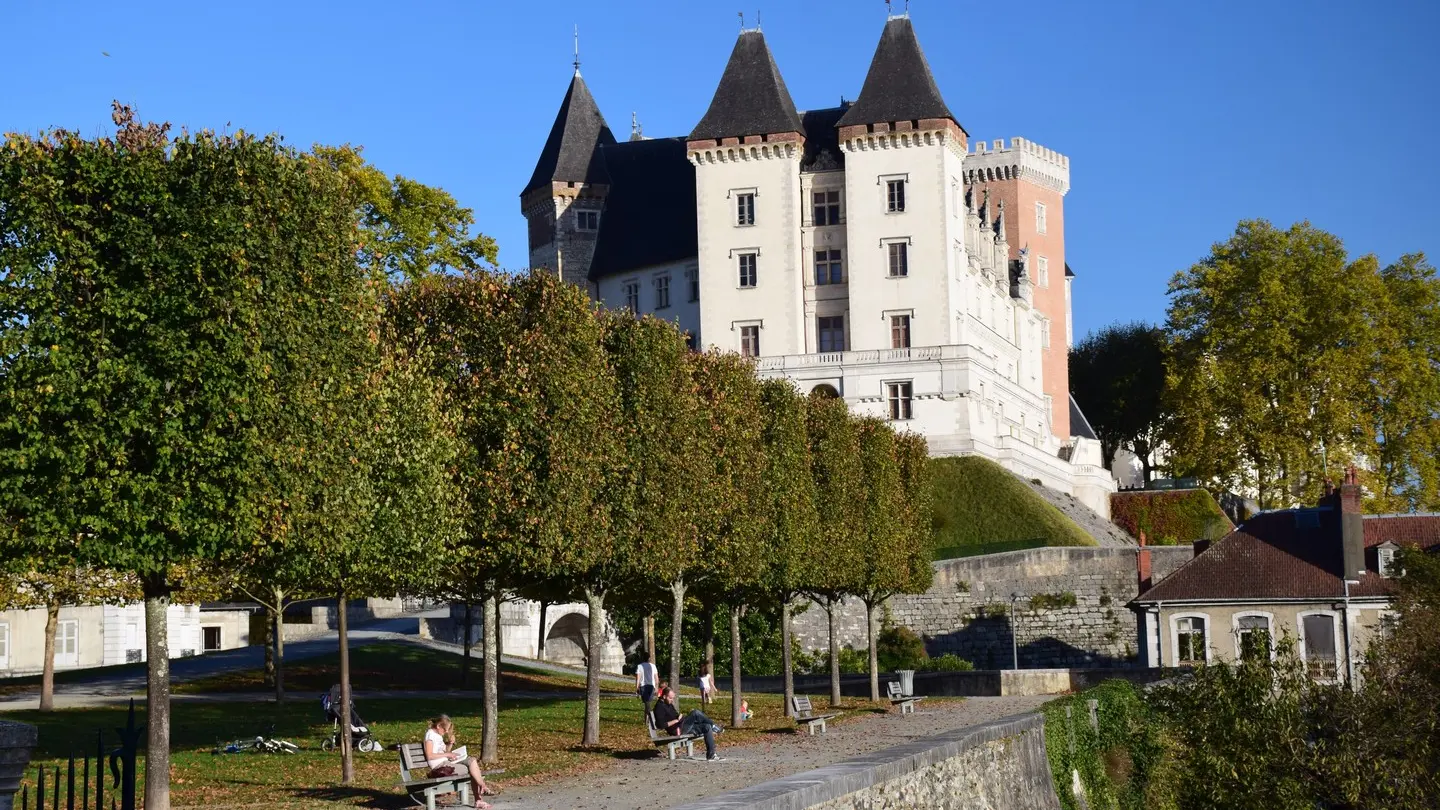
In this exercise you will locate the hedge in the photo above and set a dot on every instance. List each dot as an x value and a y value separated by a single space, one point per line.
1170 518
1118 763
979 503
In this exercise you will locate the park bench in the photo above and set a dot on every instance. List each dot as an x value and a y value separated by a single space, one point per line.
805 715
669 742
905 702
423 791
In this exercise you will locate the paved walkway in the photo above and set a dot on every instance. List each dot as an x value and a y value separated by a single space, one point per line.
658 782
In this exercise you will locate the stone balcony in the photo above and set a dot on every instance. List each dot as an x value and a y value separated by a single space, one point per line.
797 362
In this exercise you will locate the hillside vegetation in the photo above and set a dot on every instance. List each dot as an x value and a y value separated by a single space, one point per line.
1170 518
981 508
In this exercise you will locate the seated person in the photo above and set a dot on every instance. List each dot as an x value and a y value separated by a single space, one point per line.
669 722
438 740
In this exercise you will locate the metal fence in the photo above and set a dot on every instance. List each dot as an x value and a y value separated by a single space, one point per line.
74 786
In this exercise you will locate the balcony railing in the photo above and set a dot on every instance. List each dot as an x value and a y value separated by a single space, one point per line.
872 357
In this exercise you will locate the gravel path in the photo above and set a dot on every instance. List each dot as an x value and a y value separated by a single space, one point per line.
658 782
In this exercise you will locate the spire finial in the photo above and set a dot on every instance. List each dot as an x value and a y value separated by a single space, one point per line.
577 50
757 19
742 21
889 12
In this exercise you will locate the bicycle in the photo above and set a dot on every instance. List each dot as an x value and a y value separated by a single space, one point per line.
258 745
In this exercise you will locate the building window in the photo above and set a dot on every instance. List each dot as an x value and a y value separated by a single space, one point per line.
827 207
899 259
1045 332
1042 271
4 645
662 292
1317 645
587 220
1385 559
692 342
898 396
745 209
693 276
831 333
828 269
899 331
894 196
210 639
750 341
632 296
1253 637
1190 642
1040 217
67 642
748 263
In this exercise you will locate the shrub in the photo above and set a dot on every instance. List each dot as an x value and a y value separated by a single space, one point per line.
1170 518
949 662
1052 601
900 648
1117 763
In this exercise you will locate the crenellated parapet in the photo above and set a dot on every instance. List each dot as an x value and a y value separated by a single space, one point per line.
1022 159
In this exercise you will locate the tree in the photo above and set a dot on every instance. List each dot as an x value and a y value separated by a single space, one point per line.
1117 376
146 280
792 550
835 463
1272 339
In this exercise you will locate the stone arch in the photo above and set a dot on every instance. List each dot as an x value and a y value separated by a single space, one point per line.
824 391
566 639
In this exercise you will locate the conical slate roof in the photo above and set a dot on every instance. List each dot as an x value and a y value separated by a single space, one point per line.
899 86
751 98
572 152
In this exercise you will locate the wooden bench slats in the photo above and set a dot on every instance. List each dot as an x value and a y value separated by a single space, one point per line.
805 715
905 702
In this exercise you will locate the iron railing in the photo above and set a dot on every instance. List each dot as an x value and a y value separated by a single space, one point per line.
75 789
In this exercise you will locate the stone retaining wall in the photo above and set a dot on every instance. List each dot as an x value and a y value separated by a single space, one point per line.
997 766
967 609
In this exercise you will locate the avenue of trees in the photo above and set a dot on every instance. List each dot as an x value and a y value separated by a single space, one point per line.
1282 360
230 367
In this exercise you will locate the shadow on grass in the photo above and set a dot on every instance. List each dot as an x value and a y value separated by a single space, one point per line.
353 795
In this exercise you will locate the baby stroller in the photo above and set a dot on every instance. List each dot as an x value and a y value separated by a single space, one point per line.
359 732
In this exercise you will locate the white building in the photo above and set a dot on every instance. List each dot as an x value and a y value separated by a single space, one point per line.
105 635
868 251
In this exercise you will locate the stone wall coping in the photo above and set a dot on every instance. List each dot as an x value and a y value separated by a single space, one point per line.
831 782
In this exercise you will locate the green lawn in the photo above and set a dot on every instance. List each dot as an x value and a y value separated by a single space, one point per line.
538 740
980 508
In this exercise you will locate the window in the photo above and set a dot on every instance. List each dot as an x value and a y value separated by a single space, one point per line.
828 269
899 331
1040 217
691 342
4 645
1045 332
747 269
1190 642
894 196
1317 645
632 296
898 396
827 207
210 639
1385 559
899 259
1253 637
745 209
587 220
1042 271
67 642
750 341
693 276
662 292
831 333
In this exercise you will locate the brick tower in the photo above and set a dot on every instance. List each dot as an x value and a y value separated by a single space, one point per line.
1032 181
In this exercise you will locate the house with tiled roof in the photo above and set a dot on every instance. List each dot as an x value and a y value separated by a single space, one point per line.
1322 575
869 251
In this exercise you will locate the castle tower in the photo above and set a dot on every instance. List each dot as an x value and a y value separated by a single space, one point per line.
564 201
747 151
1032 181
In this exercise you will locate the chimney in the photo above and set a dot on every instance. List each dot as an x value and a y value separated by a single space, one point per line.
1352 526
1142 565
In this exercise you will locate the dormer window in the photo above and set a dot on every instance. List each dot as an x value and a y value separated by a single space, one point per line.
587 220
1385 559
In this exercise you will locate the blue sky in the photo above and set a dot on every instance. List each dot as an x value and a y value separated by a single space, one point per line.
1179 118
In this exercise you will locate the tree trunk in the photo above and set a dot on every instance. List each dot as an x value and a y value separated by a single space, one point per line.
47 679
735 686
279 642
787 664
830 608
465 644
650 637
677 618
347 753
707 624
540 647
595 601
874 652
269 640
499 653
157 696
490 727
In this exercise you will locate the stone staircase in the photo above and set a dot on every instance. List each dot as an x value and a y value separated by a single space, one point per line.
1107 534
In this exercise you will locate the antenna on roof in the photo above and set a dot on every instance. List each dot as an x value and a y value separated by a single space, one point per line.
577 50
742 21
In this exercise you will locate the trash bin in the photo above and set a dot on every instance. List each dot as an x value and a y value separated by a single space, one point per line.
907 681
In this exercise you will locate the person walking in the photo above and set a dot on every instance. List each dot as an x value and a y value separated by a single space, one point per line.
646 677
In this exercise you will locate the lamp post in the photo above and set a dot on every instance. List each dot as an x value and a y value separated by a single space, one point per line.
1014 644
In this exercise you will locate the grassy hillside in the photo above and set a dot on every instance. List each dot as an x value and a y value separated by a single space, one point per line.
981 508
1170 518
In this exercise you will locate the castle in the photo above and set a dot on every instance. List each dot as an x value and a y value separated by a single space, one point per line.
868 251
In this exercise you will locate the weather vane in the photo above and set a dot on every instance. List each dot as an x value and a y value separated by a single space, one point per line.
577 50
742 20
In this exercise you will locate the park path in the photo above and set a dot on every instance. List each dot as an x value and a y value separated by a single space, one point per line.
111 688
659 782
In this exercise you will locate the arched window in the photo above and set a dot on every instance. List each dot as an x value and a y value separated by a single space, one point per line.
1254 636
824 391
1190 639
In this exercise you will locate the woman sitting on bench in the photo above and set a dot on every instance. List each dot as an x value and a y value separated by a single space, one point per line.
443 762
